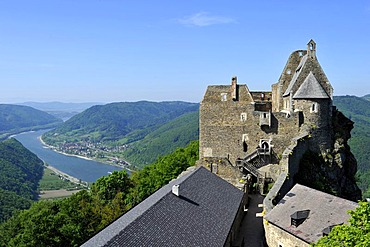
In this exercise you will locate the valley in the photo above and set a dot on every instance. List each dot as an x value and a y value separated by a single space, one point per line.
128 134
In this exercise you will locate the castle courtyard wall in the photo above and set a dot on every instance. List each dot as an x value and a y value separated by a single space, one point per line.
278 237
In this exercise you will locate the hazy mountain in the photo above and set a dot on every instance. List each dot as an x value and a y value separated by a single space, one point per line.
367 97
59 109
60 106
16 118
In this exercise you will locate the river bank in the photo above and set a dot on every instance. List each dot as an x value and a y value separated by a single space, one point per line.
85 169
67 176
53 194
81 157
55 150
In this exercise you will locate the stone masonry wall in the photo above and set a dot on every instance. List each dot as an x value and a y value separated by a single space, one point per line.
231 128
223 169
319 121
286 76
278 237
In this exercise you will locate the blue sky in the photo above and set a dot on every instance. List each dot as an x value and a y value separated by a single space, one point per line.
110 50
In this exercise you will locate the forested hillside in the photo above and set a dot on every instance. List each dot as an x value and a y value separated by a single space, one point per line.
137 132
20 172
367 97
72 221
164 140
358 110
16 118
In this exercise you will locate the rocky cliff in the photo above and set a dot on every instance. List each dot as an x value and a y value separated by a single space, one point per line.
332 170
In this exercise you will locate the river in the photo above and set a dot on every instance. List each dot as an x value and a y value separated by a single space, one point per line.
86 170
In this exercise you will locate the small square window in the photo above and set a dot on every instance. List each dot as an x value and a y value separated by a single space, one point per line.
224 97
243 117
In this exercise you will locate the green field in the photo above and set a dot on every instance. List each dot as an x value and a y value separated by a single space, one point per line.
52 181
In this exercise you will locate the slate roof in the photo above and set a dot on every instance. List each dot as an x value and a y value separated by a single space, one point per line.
325 210
295 75
202 215
310 89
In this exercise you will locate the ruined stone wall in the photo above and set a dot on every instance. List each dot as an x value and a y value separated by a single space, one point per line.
224 169
285 78
289 167
288 127
276 97
293 154
275 236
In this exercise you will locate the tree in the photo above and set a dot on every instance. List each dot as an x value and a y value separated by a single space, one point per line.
107 187
357 233
72 221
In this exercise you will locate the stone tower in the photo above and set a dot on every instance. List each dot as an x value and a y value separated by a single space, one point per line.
266 133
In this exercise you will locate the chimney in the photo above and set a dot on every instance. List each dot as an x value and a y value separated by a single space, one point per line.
176 189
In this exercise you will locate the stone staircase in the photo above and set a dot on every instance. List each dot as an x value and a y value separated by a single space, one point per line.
257 159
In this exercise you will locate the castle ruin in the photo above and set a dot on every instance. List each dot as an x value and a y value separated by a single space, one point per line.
267 133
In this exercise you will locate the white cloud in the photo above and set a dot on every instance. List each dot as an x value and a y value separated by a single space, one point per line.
203 19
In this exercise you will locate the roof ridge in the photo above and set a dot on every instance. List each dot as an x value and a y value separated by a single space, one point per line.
311 88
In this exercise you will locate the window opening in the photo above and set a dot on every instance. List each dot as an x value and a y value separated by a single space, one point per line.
214 168
223 96
243 117
314 107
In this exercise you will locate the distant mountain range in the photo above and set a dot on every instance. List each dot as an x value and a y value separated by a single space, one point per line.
16 118
367 97
151 129
59 109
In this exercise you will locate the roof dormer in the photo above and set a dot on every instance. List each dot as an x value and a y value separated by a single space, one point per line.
299 217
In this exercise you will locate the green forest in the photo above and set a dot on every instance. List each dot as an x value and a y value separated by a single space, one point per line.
137 132
164 140
20 173
15 119
72 221
125 121
358 110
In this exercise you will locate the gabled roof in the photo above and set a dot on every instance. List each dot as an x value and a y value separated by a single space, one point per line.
202 215
310 89
325 210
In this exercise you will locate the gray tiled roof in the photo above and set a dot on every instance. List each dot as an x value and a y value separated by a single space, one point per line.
325 210
310 89
201 216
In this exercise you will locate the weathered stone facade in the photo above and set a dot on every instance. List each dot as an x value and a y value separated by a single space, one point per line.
277 237
258 132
